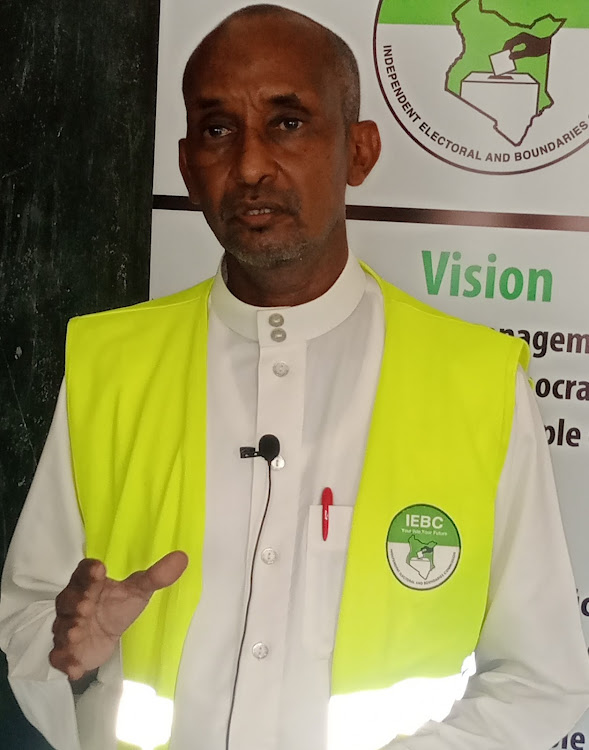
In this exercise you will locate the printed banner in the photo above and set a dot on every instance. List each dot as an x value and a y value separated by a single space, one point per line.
478 204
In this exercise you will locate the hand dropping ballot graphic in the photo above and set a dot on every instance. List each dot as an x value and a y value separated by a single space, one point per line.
421 556
511 98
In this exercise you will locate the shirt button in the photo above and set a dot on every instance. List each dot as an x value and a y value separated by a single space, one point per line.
276 320
269 556
278 334
278 463
260 650
280 369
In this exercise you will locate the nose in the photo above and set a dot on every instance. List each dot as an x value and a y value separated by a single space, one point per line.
255 160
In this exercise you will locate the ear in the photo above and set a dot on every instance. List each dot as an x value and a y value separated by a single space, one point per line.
363 150
183 147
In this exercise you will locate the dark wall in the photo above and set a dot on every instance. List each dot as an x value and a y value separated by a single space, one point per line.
78 85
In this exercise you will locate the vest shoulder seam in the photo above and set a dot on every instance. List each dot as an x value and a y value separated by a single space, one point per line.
158 303
399 297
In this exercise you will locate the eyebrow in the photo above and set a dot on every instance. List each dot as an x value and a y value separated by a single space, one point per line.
279 100
201 103
288 100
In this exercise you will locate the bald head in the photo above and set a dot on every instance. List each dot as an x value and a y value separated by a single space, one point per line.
272 142
331 50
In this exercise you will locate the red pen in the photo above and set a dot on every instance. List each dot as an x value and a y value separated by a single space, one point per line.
326 501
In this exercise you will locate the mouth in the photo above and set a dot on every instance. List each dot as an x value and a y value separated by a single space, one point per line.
258 211
259 217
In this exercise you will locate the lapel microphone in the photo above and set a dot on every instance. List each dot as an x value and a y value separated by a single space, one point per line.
268 449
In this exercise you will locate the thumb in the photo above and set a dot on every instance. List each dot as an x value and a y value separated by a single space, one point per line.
161 574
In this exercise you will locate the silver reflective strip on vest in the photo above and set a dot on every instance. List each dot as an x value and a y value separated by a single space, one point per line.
144 719
371 719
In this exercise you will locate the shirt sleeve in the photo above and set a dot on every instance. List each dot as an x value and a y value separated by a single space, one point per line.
532 680
46 548
47 545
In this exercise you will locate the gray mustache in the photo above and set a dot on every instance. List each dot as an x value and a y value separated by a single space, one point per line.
233 204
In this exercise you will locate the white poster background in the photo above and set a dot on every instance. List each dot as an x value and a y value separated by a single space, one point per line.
184 250
406 175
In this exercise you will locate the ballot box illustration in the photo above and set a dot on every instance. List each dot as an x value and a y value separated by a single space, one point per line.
510 99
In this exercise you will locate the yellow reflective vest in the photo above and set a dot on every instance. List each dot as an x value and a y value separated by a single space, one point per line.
417 571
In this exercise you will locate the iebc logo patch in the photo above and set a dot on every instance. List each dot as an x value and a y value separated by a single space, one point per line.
491 86
423 547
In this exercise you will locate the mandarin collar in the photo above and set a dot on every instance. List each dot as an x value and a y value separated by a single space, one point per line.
296 323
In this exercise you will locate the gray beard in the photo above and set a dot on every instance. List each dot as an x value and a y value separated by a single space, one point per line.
259 251
268 255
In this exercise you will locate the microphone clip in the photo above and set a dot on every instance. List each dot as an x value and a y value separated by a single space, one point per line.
248 451
268 449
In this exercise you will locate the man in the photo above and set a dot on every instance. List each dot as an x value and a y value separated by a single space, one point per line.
291 614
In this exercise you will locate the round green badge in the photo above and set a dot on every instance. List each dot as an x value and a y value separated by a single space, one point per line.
423 547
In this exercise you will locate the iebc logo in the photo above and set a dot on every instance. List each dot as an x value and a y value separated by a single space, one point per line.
492 86
423 547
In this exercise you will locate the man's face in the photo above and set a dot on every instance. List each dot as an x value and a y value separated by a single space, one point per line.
266 154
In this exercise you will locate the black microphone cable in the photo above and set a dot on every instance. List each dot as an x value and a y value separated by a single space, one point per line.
268 449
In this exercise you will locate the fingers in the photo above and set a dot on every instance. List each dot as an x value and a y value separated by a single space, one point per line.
93 611
67 631
84 587
168 570
68 634
74 606
87 573
71 667
75 602
161 574
521 38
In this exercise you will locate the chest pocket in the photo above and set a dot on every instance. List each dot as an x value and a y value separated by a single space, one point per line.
324 577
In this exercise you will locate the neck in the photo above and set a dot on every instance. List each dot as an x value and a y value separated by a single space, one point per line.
289 284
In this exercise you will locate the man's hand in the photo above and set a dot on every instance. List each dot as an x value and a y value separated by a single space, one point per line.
93 611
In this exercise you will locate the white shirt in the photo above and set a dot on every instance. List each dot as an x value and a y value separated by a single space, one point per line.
313 390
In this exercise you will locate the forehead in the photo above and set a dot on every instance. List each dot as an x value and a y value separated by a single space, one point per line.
264 57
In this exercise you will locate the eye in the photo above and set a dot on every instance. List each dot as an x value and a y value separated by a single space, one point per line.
216 131
290 123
